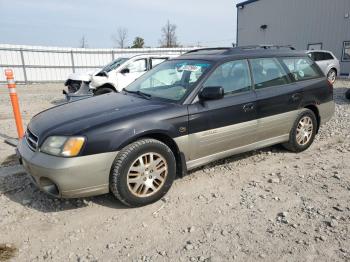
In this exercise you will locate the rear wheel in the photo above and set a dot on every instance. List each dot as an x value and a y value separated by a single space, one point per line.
332 76
143 172
103 90
303 132
347 94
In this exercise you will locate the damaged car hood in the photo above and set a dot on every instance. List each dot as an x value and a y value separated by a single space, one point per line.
85 76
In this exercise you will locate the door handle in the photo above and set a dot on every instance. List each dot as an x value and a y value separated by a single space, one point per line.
248 107
296 97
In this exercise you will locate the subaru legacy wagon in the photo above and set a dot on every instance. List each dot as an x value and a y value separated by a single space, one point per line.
203 106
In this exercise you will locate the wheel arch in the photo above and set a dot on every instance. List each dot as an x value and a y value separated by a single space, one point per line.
181 168
315 110
106 85
335 69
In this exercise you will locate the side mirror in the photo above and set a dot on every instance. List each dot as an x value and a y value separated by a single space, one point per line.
211 93
125 71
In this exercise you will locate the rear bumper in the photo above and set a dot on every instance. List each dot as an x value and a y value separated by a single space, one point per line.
326 111
67 177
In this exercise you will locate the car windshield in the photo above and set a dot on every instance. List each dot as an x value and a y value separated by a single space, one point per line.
114 64
171 80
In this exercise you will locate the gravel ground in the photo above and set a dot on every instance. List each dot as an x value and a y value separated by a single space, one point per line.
266 205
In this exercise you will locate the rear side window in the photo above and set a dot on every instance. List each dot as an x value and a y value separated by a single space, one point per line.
320 56
268 72
302 68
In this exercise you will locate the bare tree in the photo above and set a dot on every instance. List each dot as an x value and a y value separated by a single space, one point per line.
169 38
83 42
121 37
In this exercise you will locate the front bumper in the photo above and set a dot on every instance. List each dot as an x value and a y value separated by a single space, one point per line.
67 177
82 92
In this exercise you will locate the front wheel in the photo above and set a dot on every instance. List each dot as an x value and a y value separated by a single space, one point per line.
303 132
332 76
143 172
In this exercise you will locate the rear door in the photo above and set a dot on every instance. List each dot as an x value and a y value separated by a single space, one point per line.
278 98
220 125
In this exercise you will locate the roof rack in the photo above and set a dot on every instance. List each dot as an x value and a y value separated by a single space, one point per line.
266 47
209 49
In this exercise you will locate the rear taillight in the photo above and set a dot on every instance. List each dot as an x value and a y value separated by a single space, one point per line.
330 84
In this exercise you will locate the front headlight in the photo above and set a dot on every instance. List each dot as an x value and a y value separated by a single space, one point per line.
63 146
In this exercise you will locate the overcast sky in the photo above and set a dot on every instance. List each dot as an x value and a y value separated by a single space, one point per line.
64 22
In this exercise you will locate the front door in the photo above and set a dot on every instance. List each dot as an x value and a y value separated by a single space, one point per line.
217 126
136 69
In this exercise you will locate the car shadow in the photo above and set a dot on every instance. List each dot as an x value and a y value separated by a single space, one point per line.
339 96
20 188
9 161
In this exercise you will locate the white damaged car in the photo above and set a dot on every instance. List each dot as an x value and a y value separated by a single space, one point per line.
113 77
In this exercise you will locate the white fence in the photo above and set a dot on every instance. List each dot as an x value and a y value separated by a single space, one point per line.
54 64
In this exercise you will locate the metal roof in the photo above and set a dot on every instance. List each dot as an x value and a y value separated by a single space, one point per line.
246 3
219 54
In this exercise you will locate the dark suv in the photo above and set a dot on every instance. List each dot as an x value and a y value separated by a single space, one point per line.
202 106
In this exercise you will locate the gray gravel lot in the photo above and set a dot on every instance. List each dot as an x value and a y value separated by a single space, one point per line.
266 205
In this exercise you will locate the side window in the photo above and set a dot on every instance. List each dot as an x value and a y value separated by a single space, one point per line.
157 61
322 56
328 56
138 66
268 72
302 68
233 77
312 56
346 51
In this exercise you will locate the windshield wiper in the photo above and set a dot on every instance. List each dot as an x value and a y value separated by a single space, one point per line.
139 93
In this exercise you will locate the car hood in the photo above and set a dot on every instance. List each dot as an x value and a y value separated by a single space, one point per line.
81 116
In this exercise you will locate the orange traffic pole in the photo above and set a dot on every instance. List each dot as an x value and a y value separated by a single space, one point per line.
14 100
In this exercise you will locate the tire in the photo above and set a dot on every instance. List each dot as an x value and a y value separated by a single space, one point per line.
298 145
103 90
347 94
332 76
127 168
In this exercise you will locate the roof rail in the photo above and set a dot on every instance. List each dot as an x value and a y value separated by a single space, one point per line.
209 49
266 47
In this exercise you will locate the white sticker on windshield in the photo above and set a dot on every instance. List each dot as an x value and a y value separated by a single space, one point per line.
190 68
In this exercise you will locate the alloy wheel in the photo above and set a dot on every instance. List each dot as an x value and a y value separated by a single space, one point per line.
147 175
304 130
332 76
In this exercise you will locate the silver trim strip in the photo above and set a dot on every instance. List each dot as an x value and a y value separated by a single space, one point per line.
268 142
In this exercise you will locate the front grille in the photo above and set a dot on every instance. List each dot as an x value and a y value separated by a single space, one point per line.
32 140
